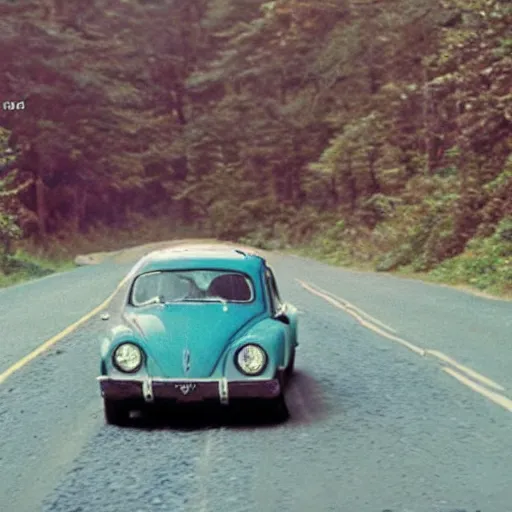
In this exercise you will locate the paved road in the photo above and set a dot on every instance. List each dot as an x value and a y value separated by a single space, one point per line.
374 426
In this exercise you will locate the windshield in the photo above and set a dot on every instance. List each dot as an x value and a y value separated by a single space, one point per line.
191 285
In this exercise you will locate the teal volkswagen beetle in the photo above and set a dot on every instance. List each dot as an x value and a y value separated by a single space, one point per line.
197 325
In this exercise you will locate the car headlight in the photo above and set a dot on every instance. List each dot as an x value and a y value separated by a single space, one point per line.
127 357
251 359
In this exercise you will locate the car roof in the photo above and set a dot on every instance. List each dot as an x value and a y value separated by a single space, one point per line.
200 256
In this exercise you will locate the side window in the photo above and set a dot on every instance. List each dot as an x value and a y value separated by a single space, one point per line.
274 292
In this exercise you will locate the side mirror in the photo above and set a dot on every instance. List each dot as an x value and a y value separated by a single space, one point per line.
105 315
281 317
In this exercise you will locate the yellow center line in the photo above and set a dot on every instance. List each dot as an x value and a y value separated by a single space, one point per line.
478 376
68 330
418 350
348 305
491 395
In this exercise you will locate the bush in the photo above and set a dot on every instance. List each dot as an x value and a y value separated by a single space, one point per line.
504 231
9 231
395 259
486 263
440 244
29 268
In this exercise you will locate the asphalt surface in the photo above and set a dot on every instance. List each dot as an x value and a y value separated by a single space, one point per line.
374 427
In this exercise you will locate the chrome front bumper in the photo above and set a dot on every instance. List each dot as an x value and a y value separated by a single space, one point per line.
188 390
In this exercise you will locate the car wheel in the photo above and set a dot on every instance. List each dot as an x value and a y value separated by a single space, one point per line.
291 366
278 409
115 413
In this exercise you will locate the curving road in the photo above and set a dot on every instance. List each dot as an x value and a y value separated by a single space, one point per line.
402 402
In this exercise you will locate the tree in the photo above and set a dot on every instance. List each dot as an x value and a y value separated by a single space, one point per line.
9 228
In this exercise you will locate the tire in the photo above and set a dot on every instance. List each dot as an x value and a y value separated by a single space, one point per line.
115 412
278 409
291 366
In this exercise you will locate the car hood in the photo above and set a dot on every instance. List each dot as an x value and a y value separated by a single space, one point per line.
202 330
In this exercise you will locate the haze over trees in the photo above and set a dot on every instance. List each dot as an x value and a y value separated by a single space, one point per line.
368 130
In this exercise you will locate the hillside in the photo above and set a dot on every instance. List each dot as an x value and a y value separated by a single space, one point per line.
368 133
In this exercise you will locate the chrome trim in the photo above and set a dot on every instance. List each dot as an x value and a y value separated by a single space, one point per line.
177 380
186 360
223 391
147 390
158 379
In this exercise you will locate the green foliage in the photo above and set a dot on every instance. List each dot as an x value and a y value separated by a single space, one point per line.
503 236
486 263
395 259
9 231
9 228
378 132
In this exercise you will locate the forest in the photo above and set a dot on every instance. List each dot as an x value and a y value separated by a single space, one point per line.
367 133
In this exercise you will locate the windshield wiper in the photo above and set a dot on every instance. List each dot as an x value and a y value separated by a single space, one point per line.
153 300
224 302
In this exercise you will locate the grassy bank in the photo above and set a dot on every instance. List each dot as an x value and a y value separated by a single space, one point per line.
25 266
410 249
32 260
458 272
484 267
65 246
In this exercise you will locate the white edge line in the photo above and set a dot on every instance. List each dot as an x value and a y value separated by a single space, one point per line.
43 347
418 350
347 304
497 398
505 402
472 373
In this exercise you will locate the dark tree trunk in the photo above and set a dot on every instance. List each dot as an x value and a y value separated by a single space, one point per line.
428 122
406 161
351 184
186 210
297 191
374 83
373 76
372 158
179 105
80 201
334 191
41 205
289 186
276 183
33 165
282 90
